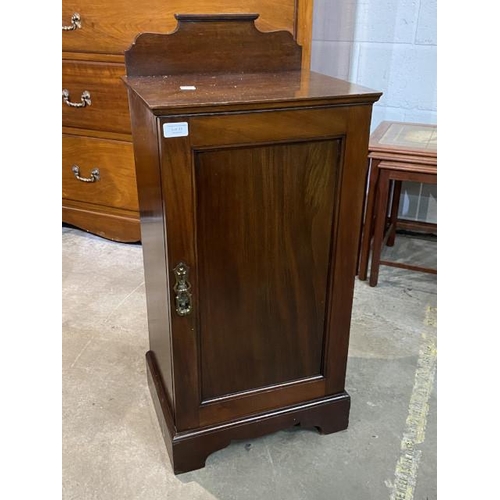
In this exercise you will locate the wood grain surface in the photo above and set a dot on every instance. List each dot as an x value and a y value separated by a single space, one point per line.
260 196
236 46
109 105
110 27
264 226
116 186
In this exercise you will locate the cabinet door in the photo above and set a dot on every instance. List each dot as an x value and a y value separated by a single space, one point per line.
253 206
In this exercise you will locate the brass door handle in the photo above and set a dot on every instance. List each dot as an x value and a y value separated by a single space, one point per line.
84 99
182 289
95 175
76 23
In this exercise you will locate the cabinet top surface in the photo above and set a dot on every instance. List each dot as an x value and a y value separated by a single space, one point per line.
255 90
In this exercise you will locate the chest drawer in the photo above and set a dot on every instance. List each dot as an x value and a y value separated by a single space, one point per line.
113 182
111 26
106 107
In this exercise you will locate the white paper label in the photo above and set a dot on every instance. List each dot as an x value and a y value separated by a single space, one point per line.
178 129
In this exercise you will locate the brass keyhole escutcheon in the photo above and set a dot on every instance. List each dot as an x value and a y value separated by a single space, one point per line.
182 289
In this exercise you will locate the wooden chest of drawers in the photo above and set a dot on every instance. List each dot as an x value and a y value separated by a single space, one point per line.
95 119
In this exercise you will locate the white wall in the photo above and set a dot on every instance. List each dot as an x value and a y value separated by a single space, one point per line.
387 45
390 46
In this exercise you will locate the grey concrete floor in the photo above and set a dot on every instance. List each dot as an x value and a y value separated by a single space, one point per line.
112 445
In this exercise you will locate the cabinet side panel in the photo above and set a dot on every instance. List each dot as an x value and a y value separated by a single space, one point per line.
264 226
144 132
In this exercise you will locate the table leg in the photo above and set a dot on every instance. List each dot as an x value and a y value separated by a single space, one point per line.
368 223
379 229
396 195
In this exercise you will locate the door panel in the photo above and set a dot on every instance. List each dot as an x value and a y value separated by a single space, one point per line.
255 219
264 223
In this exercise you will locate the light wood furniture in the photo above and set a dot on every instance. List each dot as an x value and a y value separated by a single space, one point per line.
251 175
99 192
398 152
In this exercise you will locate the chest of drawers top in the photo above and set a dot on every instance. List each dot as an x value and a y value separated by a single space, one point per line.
108 28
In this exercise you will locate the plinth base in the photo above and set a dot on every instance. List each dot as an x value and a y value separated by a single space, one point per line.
188 450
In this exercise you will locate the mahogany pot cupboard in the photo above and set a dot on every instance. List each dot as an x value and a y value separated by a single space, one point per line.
251 173
99 192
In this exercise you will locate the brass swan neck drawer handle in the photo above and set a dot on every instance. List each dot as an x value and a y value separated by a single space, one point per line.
76 23
182 289
84 99
95 175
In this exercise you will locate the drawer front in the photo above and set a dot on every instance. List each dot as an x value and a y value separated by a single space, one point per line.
111 27
115 183
106 107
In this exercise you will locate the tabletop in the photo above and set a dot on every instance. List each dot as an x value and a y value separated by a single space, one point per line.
405 138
